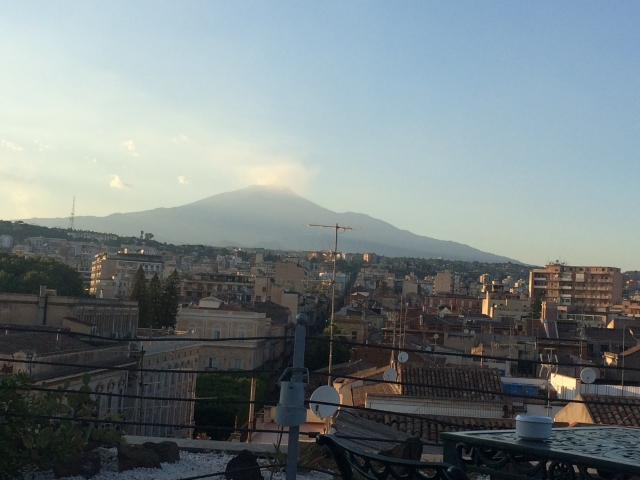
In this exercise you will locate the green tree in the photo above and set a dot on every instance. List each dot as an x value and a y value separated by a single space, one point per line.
139 293
25 275
155 301
316 354
536 306
170 300
148 236
229 387
383 289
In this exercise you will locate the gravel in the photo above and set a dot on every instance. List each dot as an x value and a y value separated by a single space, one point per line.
190 464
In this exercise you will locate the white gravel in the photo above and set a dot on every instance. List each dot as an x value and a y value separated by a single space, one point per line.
190 464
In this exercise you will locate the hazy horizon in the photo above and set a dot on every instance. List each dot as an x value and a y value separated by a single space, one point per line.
509 127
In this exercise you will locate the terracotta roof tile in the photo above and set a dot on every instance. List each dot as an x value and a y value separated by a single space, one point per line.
451 382
610 410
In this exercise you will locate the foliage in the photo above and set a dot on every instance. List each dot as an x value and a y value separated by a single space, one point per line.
170 300
154 299
383 289
139 294
536 306
232 387
39 429
26 274
157 303
316 354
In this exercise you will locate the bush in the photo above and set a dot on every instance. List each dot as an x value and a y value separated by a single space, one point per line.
39 429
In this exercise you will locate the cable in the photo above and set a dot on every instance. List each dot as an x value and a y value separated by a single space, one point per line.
134 369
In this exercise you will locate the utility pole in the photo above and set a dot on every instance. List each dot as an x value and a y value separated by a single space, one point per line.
337 228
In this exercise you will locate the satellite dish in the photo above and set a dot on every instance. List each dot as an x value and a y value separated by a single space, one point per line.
428 349
390 375
588 375
436 336
466 330
441 314
325 394
472 332
403 357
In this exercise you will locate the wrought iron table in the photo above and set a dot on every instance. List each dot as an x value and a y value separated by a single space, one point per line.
570 453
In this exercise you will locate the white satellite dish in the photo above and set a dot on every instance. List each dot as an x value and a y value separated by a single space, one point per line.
472 332
325 394
428 349
588 375
390 375
466 330
436 336
441 314
403 357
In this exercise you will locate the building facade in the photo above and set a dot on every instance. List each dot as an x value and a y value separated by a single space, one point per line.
112 274
597 288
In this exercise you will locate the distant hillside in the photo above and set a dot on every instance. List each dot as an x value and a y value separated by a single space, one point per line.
275 218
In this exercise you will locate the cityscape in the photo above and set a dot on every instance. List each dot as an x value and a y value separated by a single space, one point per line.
283 241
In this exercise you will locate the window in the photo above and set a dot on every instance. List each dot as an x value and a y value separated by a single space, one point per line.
216 333
354 335
237 363
242 332
213 363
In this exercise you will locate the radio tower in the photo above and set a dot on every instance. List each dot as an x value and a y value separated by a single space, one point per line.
72 218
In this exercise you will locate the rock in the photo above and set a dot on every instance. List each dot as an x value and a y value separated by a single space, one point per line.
247 465
410 449
136 456
86 464
167 451
109 459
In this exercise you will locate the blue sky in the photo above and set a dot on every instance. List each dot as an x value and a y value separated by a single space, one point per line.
510 126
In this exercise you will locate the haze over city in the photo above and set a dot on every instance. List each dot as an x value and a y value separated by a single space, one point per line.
509 127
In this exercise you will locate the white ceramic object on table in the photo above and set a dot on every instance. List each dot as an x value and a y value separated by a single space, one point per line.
533 427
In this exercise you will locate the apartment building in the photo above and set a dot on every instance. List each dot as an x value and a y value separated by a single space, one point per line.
443 282
234 287
112 274
596 288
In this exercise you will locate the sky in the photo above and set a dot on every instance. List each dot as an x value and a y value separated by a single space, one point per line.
512 127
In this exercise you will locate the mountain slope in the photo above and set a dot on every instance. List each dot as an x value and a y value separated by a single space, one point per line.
272 217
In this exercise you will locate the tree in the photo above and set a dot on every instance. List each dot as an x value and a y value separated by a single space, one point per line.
383 289
149 236
316 354
170 300
139 293
536 306
155 301
25 275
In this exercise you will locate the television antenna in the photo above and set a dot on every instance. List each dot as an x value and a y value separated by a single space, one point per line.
337 229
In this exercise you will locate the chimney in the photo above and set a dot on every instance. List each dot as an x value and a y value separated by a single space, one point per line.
42 305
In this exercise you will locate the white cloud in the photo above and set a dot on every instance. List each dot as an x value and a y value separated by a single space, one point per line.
181 138
130 148
183 180
117 182
11 146
42 146
252 164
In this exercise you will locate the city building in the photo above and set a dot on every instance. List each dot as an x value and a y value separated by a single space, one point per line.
112 274
443 282
597 288
213 319
109 317
6 241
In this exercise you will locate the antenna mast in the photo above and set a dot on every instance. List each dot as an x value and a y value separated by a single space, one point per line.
72 218
337 228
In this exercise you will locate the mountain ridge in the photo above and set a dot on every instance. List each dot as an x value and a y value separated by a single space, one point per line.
276 218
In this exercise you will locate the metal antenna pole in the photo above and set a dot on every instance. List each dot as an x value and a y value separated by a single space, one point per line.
333 289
